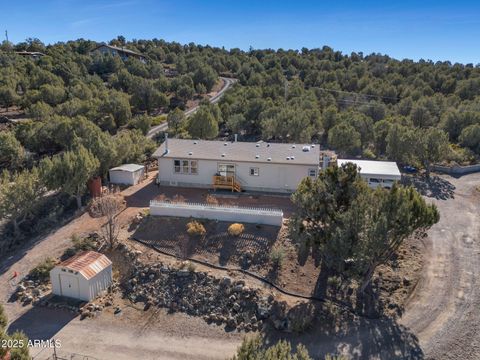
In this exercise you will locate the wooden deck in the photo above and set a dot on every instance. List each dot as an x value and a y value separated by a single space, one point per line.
226 182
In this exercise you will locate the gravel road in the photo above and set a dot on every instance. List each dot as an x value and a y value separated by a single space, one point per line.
444 311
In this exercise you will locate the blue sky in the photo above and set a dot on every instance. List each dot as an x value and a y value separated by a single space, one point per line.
437 30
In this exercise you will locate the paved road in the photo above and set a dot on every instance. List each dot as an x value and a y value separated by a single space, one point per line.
227 82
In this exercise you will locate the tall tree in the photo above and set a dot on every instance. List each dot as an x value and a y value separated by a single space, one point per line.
19 194
70 171
345 139
12 153
344 221
202 124
176 119
432 146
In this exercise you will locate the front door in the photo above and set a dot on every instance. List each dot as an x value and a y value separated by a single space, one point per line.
69 286
226 170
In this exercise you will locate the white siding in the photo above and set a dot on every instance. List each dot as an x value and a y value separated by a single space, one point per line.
126 177
88 289
272 177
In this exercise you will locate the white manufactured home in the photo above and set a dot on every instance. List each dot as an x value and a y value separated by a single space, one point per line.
236 166
376 173
83 276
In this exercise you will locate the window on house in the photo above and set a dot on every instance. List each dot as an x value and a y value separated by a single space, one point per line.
254 171
176 164
185 167
373 180
312 172
193 167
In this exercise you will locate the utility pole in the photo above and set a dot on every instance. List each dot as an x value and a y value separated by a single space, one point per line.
6 35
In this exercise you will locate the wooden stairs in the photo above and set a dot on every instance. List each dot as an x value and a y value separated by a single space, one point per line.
226 182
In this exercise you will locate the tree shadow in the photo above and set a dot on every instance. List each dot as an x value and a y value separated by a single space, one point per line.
434 187
335 333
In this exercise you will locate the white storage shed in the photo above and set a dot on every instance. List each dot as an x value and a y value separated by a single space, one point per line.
83 276
376 173
127 174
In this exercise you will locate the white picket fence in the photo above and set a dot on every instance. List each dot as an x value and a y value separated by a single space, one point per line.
217 212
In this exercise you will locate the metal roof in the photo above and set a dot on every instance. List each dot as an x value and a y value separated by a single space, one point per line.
87 263
119 49
369 167
128 167
228 151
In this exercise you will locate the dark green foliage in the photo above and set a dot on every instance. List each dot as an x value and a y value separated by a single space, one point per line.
3 318
42 270
345 222
254 349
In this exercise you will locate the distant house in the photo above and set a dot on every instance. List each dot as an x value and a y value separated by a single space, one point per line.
124 53
34 55
236 166
376 173
83 276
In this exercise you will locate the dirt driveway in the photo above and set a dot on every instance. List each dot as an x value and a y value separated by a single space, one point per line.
444 311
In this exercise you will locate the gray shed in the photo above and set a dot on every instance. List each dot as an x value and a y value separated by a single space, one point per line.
127 174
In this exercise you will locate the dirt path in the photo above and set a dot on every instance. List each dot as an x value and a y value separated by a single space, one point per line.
444 311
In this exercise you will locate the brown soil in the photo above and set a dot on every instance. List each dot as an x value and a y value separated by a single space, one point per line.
251 250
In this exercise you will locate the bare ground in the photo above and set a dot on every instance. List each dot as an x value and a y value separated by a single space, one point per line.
441 319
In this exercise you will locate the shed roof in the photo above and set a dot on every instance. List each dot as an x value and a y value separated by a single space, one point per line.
369 167
88 263
128 167
260 152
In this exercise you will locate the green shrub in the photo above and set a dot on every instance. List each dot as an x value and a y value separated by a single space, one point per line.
277 255
369 154
157 120
80 244
236 229
42 270
195 228
3 318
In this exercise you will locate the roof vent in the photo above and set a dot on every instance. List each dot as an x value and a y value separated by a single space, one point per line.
306 149
313 145
195 142
225 144
288 157
292 157
269 159
294 146
223 155
257 156
257 145
190 153
268 144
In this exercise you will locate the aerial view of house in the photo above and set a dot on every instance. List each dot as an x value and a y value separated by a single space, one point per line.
239 180
235 165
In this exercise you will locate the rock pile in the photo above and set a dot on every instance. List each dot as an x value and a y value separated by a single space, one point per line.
221 301
31 291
